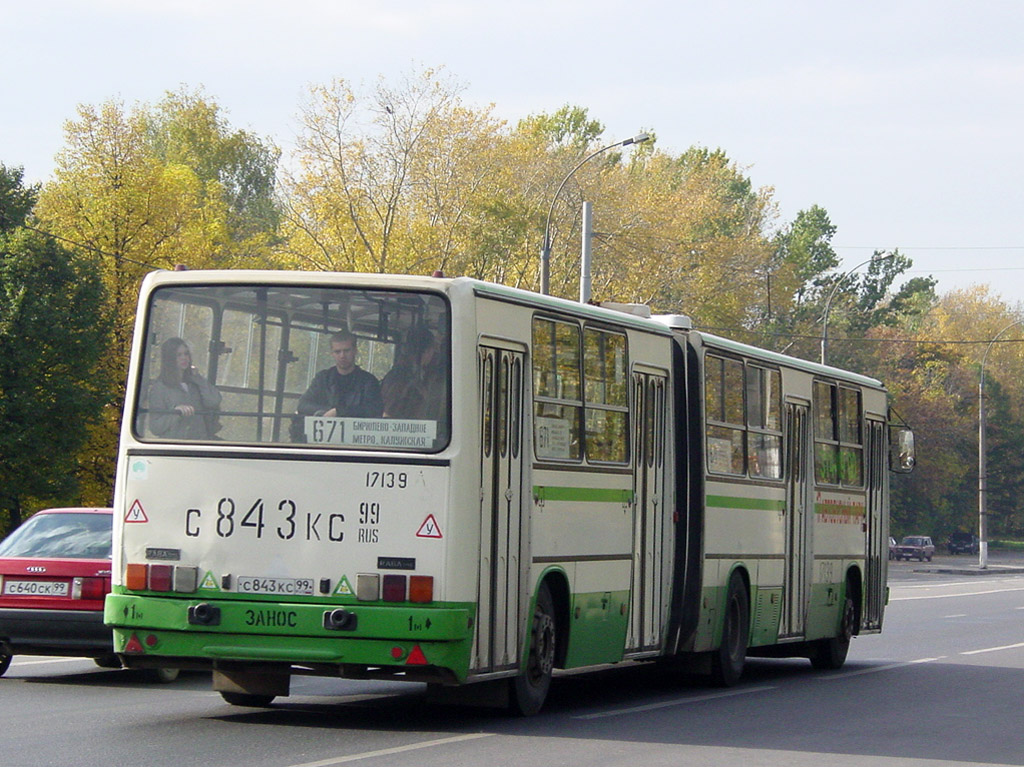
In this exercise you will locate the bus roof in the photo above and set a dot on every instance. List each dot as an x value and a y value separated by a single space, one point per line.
660 326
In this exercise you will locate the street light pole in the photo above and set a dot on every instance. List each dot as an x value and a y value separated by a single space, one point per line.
545 252
831 295
982 461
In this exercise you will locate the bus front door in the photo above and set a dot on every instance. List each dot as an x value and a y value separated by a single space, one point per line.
501 537
877 532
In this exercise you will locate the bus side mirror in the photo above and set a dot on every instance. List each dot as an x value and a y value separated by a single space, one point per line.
901 450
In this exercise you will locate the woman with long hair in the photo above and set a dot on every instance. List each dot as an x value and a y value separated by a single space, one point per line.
182 404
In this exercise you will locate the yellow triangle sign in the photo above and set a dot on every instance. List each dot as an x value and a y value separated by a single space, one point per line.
344 588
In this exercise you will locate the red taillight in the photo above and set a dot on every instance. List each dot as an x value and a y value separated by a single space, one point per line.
161 577
88 588
421 588
394 588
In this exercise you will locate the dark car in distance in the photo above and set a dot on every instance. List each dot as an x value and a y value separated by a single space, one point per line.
963 543
918 547
54 577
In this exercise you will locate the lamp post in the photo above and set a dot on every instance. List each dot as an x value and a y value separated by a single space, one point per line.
982 464
831 295
545 252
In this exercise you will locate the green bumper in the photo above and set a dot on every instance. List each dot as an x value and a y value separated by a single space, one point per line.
385 636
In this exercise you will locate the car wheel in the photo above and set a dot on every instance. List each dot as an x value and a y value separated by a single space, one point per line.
107 661
5 661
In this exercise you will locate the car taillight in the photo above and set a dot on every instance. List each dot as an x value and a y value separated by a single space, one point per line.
88 588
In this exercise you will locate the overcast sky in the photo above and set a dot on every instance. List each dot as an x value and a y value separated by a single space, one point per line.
904 120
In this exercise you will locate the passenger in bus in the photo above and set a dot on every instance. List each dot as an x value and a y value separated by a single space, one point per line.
415 387
182 404
345 390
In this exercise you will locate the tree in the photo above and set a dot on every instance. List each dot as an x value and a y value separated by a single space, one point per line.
53 332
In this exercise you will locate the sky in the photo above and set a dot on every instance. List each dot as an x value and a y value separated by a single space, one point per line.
904 120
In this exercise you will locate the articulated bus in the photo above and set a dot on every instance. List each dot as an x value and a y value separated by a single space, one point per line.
526 484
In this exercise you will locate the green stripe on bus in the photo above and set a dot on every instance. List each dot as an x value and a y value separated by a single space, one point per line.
735 502
583 494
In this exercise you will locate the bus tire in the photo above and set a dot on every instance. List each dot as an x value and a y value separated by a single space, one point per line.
5 659
530 687
247 699
728 660
830 654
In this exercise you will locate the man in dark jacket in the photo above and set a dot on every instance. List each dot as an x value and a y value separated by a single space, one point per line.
345 390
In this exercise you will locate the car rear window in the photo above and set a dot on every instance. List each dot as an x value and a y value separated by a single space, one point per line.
61 536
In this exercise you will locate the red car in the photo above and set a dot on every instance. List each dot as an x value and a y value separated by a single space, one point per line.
54 576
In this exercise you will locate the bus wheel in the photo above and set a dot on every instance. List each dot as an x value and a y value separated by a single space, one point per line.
830 654
5 658
727 661
530 688
245 699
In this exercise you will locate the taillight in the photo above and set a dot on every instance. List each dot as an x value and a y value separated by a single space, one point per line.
88 588
181 578
394 588
421 588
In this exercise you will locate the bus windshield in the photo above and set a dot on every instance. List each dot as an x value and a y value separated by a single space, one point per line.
347 368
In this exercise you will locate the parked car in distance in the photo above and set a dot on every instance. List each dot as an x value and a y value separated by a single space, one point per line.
963 543
918 547
892 547
54 576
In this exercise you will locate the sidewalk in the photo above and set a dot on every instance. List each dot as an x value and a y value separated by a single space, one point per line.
999 563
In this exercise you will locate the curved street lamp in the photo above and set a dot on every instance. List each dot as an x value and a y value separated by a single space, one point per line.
828 301
982 465
545 252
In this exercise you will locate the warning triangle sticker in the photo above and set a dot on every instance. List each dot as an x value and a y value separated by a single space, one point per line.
429 528
209 582
136 513
344 588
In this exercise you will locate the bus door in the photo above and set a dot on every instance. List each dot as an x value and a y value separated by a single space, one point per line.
799 515
501 536
649 526
876 534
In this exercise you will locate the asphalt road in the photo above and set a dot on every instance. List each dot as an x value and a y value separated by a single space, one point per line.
941 685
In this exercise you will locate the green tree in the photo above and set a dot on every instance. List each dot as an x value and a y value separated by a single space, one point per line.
53 332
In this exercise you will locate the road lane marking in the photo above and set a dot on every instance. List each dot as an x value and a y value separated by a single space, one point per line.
994 649
875 669
949 596
956 615
396 750
674 702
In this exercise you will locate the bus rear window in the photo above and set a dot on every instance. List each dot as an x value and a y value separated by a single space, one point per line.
324 367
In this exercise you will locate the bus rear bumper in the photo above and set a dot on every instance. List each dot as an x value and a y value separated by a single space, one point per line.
415 641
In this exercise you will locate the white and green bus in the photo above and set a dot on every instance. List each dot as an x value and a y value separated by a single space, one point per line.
525 484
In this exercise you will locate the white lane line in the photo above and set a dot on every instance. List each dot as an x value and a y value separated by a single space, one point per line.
675 702
951 596
396 750
994 649
956 615
876 669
